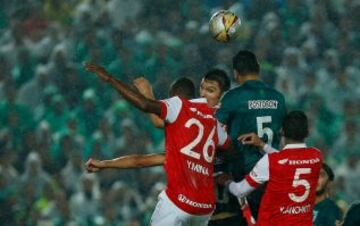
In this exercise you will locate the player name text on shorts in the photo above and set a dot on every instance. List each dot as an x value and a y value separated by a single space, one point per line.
182 198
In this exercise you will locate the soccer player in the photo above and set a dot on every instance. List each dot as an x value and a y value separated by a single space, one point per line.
326 212
191 137
291 175
251 107
352 217
212 87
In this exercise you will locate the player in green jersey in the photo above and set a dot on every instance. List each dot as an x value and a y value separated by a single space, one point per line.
326 212
251 107
352 217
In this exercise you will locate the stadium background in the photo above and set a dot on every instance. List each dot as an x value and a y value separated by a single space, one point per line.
54 115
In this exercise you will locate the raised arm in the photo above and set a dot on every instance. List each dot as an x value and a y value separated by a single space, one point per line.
134 97
254 139
258 176
126 162
144 87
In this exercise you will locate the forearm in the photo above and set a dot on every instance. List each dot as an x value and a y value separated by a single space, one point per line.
269 149
157 121
134 97
134 161
240 189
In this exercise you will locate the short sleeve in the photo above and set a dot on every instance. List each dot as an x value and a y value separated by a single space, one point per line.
224 138
170 109
260 173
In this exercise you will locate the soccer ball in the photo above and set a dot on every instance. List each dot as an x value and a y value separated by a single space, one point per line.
224 26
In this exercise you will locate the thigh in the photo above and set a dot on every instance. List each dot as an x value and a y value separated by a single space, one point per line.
200 220
164 213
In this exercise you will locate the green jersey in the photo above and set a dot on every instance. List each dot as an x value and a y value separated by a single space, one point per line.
251 107
326 213
352 217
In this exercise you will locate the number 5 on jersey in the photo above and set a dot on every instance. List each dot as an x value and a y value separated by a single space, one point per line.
300 182
261 130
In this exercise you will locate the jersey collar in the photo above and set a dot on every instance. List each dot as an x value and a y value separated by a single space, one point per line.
294 146
199 100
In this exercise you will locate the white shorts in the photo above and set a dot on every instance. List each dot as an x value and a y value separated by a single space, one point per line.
166 213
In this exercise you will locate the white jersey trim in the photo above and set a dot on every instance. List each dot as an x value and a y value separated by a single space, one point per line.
173 108
222 134
294 146
268 149
260 173
241 189
199 100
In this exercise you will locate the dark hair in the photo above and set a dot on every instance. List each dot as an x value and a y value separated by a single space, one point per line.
220 77
295 126
245 62
328 171
183 87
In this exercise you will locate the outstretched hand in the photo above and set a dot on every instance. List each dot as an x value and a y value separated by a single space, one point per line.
93 165
223 179
251 139
98 70
144 87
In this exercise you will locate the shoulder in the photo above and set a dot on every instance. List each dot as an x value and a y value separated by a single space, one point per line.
277 94
355 206
234 91
234 96
315 151
175 100
331 204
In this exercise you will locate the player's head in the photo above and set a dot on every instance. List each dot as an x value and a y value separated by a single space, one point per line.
245 64
213 85
325 178
183 87
295 126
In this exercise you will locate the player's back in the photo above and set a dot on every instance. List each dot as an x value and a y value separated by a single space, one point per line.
290 192
192 134
253 107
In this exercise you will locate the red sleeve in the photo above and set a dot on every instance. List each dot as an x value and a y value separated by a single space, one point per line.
251 181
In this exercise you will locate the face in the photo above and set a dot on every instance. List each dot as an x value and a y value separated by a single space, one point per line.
211 91
322 182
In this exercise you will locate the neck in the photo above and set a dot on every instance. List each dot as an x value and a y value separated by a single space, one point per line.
319 198
291 141
249 77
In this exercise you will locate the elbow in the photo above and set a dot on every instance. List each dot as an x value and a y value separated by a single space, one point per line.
159 124
145 106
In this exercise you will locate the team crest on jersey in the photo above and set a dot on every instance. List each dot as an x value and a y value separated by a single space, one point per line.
283 161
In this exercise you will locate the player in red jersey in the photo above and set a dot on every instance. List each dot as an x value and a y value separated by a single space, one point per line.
191 136
291 175
213 85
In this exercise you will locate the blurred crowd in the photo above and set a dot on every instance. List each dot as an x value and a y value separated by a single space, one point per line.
54 115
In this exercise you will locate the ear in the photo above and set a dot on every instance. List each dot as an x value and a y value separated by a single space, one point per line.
236 75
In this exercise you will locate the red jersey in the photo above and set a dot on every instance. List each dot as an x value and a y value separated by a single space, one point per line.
192 135
292 176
